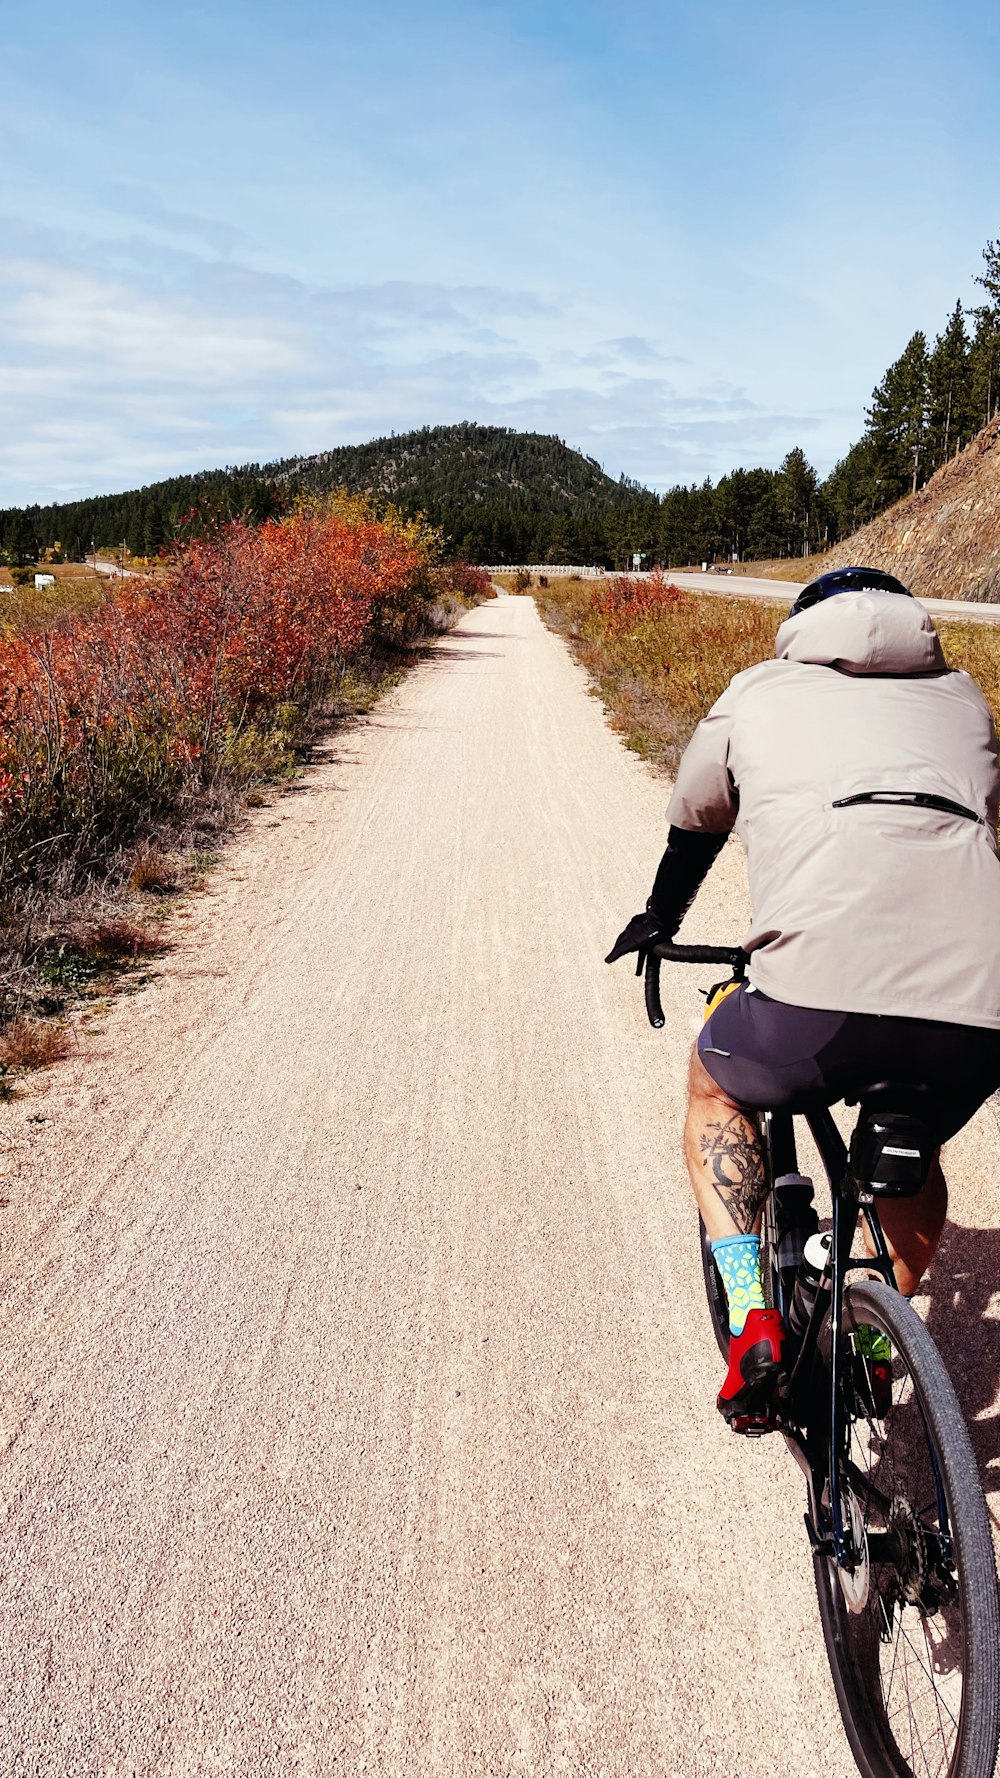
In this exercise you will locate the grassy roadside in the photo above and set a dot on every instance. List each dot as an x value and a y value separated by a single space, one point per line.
138 728
659 656
76 591
67 946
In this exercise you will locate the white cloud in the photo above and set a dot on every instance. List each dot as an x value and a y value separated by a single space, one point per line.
125 360
146 205
95 325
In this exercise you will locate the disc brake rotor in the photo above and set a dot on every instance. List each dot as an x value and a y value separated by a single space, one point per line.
855 1582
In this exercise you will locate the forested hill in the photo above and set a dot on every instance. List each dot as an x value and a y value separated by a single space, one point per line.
506 496
498 495
449 466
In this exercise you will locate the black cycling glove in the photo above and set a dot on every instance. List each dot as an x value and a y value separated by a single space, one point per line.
642 931
682 870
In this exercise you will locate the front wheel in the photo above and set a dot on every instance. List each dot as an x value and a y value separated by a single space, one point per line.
912 1630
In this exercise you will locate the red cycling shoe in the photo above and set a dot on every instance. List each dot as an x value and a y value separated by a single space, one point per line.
756 1361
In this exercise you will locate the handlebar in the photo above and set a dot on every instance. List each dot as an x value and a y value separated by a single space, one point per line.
657 954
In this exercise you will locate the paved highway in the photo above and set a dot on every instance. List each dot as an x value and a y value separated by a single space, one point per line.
783 592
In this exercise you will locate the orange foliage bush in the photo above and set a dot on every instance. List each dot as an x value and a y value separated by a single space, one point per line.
106 718
468 582
626 601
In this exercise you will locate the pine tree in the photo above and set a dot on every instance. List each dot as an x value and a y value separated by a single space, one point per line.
986 344
765 535
897 422
850 494
21 544
796 499
950 411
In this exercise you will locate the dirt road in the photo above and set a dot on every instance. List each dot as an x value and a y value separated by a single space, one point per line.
357 1390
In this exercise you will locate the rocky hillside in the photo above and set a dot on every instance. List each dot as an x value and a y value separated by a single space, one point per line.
944 541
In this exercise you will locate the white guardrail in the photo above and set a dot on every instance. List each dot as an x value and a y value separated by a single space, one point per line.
553 568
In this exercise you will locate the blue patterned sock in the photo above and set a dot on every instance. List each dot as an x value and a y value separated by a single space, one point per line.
738 1260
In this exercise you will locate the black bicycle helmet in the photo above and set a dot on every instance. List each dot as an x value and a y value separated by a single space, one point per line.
847 580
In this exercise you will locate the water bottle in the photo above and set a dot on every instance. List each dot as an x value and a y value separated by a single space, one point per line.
814 1264
795 1220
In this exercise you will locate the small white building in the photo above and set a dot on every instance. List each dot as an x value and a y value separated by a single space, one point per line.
45 580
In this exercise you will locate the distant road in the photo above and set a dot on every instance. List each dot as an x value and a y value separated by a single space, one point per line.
112 569
782 592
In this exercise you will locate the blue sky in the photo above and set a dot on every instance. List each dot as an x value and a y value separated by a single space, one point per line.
684 236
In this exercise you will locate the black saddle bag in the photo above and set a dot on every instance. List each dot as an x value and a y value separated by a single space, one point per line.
891 1149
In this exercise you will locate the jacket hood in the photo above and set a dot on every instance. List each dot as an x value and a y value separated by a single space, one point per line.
863 633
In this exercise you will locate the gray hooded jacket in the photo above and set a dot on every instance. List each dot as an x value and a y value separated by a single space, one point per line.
864 907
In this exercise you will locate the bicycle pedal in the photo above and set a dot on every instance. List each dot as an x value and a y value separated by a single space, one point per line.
755 1401
752 1426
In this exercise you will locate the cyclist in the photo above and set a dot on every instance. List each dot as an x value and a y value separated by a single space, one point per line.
861 774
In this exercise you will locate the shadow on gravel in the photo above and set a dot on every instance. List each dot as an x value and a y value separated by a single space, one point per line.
484 636
963 1293
439 657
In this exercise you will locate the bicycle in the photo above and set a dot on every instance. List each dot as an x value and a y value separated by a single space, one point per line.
897 1523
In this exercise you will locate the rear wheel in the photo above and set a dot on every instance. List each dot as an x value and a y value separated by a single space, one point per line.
912 1632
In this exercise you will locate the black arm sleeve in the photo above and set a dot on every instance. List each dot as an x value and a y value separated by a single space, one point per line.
683 868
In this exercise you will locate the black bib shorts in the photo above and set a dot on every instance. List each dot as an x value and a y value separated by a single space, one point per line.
767 1055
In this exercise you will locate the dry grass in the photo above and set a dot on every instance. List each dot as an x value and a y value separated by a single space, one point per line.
976 649
123 938
796 568
532 583
660 675
78 591
32 1043
154 871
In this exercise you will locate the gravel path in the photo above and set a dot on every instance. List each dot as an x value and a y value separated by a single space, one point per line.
357 1388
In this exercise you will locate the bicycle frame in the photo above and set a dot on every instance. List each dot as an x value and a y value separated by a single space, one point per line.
816 1447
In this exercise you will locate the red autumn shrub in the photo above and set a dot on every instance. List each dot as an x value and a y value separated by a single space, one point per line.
628 600
106 719
467 582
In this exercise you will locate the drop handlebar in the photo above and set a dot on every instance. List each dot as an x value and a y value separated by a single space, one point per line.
651 959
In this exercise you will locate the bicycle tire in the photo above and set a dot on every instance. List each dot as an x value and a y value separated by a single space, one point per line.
718 1306
921 1412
